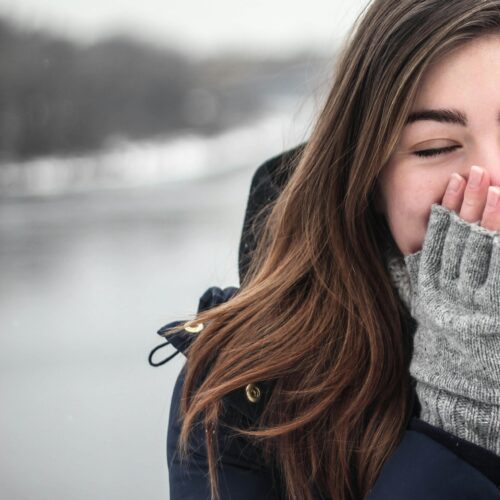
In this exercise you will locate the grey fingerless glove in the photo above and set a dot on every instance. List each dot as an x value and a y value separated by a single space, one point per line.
455 298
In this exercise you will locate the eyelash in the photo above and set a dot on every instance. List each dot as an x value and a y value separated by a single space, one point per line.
426 153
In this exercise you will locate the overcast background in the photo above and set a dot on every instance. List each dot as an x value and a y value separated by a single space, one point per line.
129 132
281 26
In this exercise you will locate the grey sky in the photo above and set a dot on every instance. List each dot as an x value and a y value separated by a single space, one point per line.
203 26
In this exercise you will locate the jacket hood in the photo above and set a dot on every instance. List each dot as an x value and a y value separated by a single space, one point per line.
267 182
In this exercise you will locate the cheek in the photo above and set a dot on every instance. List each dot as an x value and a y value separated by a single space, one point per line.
408 228
408 204
408 192
415 190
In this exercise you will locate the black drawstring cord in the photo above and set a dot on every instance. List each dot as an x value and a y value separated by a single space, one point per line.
151 354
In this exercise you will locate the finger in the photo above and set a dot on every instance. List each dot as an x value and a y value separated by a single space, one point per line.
475 195
454 193
491 214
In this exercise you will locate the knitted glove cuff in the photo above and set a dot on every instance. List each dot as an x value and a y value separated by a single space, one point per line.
466 418
455 298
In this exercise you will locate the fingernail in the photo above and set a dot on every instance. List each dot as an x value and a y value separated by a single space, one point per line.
454 183
476 175
492 198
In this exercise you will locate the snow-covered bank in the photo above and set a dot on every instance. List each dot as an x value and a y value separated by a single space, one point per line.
133 164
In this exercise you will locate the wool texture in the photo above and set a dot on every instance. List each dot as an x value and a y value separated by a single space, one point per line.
451 287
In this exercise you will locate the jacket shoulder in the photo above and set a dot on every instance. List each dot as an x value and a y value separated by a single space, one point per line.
248 401
182 339
241 468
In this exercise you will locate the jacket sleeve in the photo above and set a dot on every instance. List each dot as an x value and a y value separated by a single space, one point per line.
240 470
421 468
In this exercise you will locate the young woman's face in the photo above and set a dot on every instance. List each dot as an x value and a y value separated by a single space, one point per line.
465 84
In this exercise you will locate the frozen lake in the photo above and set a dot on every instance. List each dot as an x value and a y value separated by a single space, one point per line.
87 279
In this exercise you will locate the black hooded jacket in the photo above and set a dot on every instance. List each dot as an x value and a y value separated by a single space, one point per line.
429 463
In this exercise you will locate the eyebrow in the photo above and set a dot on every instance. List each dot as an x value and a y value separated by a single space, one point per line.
439 115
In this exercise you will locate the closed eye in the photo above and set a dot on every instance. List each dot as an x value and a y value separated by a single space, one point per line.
425 153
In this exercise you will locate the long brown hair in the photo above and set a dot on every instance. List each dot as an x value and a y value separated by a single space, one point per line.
316 313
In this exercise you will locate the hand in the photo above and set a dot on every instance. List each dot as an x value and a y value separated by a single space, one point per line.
474 201
455 288
455 299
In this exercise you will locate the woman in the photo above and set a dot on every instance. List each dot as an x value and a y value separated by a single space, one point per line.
360 357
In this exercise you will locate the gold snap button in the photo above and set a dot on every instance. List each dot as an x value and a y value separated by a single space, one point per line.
253 393
193 327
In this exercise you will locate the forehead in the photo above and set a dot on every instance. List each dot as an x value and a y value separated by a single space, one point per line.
470 69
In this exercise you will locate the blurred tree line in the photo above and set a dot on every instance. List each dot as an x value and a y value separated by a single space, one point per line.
60 97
